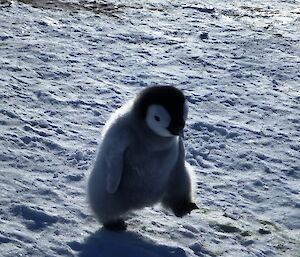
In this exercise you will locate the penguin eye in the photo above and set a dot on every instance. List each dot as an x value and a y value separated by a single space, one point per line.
156 118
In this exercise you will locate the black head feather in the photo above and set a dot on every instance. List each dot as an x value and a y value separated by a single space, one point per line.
171 98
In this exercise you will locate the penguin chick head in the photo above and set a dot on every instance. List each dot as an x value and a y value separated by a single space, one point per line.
164 110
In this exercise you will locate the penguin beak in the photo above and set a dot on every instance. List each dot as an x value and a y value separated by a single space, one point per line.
177 131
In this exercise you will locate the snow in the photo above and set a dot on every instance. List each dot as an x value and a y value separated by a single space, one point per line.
64 69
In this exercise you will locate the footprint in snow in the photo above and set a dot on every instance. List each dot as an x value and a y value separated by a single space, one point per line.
34 219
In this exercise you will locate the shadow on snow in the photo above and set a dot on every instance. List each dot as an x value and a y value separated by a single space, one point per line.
131 244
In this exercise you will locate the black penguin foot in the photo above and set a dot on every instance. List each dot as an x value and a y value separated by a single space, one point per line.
118 225
184 208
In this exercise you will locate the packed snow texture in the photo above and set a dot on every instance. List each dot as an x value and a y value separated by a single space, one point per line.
66 66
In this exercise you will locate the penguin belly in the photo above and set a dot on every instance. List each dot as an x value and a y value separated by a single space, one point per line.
143 183
145 176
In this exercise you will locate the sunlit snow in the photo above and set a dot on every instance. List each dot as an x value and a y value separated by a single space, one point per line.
65 66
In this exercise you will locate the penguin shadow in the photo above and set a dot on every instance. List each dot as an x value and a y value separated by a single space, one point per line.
106 243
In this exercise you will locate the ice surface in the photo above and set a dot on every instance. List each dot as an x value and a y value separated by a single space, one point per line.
66 65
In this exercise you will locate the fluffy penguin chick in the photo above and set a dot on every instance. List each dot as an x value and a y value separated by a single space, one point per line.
141 159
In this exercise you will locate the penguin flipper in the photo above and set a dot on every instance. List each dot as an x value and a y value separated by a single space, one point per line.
178 196
114 174
116 144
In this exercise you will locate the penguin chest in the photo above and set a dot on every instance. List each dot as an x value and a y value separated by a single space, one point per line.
146 173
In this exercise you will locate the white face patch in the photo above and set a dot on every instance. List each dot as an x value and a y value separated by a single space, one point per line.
158 119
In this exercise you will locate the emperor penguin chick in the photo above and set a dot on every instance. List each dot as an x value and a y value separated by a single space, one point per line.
141 159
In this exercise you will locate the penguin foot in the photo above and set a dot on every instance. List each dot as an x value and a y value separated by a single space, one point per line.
118 225
184 208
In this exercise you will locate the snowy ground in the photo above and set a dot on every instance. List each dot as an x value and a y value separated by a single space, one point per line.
65 67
